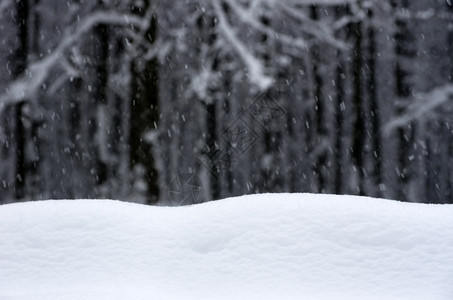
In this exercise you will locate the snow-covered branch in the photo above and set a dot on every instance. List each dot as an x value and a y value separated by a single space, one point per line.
423 106
249 18
424 15
37 72
311 2
254 65
320 31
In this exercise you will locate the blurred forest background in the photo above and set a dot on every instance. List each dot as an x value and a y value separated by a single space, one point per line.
179 102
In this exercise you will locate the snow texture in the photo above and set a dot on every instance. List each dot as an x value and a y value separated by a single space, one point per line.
270 246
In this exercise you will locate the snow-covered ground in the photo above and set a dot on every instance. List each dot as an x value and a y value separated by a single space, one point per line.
271 246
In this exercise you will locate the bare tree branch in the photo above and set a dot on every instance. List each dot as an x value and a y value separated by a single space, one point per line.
253 64
37 72
423 107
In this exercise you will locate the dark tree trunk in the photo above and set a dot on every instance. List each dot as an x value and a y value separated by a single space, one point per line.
213 149
229 170
7 173
101 38
20 64
209 24
339 115
449 5
35 45
406 135
319 168
144 111
20 152
21 53
374 107
36 186
450 40
429 176
265 183
359 121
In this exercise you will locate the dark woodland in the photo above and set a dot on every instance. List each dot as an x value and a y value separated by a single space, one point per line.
182 102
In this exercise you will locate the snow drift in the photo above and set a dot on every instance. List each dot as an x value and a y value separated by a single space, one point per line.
272 246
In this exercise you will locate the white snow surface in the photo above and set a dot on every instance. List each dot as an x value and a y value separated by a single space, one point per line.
269 246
